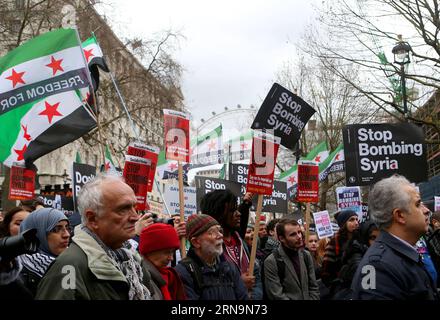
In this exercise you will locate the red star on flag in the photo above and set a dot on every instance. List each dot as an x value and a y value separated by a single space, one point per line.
25 134
243 146
88 54
16 77
107 166
55 65
318 159
172 166
50 111
291 180
337 157
212 145
20 153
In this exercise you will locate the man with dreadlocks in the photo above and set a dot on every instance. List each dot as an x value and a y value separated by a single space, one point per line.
222 206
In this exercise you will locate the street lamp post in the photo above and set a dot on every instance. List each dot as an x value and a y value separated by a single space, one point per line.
401 57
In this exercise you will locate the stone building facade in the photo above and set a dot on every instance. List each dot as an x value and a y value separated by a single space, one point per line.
145 95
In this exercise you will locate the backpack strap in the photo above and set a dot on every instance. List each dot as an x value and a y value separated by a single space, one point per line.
281 266
196 273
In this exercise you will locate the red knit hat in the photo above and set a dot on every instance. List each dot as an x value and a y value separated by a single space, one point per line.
158 236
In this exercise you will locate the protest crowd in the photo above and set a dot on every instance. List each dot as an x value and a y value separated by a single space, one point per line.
112 247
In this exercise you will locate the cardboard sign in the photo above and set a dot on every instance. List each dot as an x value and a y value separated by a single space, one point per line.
308 182
377 151
285 113
21 184
81 173
136 173
147 152
323 225
172 199
262 166
276 202
350 198
176 131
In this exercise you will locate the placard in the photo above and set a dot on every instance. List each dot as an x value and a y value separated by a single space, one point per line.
147 152
176 133
323 225
285 113
21 183
350 198
172 199
308 181
377 151
136 173
262 166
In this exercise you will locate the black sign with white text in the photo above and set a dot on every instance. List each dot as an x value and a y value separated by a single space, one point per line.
376 151
285 113
82 173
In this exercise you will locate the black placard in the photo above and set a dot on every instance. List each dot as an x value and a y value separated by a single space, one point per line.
376 151
82 173
285 113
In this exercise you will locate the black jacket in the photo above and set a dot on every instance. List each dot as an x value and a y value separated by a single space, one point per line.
390 269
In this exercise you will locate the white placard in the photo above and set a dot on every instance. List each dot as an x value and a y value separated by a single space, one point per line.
172 199
323 224
436 203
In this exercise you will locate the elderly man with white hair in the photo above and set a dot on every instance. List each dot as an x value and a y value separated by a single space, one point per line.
100 264
392 268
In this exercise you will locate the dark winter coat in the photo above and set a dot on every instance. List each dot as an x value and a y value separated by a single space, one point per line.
221 283
391 269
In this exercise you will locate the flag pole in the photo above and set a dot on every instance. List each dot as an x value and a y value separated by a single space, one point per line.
135 131
182 209
254 240
92 92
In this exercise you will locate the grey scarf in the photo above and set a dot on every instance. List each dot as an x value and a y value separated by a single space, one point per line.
125 262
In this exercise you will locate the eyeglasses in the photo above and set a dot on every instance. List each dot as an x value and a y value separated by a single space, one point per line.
61 229
214 231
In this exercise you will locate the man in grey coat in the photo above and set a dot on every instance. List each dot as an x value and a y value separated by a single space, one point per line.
288 272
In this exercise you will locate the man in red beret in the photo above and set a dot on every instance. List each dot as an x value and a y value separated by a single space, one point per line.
157 244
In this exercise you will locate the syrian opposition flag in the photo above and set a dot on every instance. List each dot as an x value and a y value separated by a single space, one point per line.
318 154
291 178
239 148
169 169
334 163
95 59
42 86
208 148
109 165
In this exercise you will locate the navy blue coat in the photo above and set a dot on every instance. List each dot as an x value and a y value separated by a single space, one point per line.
396 271
222 283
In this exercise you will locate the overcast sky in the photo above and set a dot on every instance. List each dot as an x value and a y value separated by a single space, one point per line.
233 48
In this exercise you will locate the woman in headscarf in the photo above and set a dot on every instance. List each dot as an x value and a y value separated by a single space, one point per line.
53 232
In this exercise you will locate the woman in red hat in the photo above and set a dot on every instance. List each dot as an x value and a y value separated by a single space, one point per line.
157 245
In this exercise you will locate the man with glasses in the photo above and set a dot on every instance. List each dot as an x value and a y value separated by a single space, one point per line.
100 263
205 273
392 268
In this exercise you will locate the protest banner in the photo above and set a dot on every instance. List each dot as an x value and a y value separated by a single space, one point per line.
81 173
308 181
172 199
308 187
21 183
205 185
136 173
59 202
147 152
349 198
276 202
376 151
262 166
176 132
436 203
285 113
323 225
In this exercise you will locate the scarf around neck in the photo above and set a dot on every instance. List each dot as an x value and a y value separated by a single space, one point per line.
123 260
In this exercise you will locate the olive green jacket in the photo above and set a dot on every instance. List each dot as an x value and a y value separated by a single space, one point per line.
84 272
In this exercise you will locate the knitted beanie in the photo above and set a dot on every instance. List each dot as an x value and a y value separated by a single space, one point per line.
199 223
158 236
343 216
